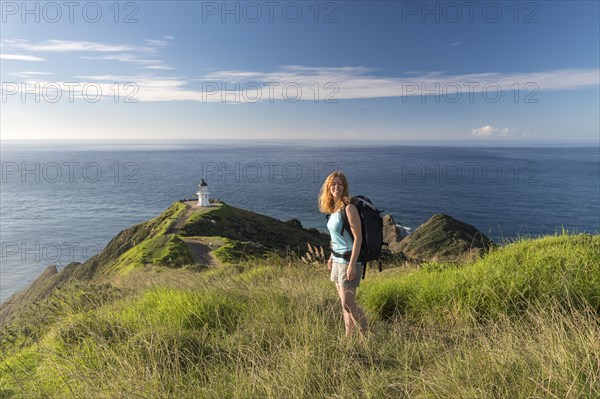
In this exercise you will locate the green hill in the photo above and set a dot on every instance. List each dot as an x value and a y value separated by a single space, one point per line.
138 321
231 234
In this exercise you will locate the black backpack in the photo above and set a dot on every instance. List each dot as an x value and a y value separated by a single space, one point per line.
372 231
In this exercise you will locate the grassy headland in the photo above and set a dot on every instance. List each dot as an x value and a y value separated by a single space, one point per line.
522 322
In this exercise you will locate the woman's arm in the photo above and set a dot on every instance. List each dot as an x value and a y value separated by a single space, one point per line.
356 228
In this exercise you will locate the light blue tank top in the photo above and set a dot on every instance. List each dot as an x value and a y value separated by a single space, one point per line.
340 243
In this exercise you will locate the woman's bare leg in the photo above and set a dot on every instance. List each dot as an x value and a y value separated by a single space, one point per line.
351 310
348 322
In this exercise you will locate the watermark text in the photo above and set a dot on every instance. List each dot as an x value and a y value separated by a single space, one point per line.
53 12
57 253
266 172
69 172
53 92
469 172
252 12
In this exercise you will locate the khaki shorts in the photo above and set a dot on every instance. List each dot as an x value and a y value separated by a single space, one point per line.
339 274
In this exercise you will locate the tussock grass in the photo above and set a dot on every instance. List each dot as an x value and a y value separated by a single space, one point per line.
523 322
507 281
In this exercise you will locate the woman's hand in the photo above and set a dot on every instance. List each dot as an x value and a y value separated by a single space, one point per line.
351 271
329 264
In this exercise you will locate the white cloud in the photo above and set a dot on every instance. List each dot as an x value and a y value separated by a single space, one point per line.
339 83
491 131
358 83
144 62
28 74
158 67
314 82
484 131
157 43
113 52
62 46
20 57
331 83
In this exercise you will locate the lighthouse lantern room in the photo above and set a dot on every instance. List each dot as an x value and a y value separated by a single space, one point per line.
203 194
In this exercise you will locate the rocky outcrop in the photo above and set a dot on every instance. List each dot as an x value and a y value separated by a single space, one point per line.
444 238
392 233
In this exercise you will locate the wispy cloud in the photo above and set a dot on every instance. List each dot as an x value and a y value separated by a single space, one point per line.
20 57
158 67
62 46
337 82
328 83
105 51
29 74
156 43
455 44
334 83
143 62
359 83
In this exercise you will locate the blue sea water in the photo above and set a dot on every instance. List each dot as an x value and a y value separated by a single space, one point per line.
64 202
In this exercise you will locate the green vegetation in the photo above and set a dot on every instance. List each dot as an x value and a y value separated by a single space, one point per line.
444 238
128 239
168 250
505 282
238 251
522 322
244 226
111 258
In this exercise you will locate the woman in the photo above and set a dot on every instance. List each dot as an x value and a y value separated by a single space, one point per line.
346 273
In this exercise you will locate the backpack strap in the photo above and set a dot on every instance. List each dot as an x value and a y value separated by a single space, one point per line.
345 223
365 268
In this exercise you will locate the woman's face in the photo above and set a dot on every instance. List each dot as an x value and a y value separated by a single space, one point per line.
336 188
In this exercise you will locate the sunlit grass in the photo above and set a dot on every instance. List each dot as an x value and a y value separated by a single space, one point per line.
524 322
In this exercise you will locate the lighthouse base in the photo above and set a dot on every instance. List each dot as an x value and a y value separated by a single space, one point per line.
203 199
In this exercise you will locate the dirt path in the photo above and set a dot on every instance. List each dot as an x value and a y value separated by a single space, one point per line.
174 229
183 218
200 251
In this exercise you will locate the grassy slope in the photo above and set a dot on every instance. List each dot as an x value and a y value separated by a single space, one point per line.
503 282
523 322
133 236
444 238
107 258
239 235
232 234
245 227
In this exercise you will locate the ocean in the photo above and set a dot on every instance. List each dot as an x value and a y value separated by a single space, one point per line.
63 202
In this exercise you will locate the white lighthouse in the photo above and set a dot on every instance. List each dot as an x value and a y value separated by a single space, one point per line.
203 194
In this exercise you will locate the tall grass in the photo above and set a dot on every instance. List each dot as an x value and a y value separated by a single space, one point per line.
273 329
564 268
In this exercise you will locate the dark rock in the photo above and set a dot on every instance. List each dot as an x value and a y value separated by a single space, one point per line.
392 234
294 223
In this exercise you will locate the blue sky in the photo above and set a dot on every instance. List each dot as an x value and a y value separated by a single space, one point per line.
484 71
